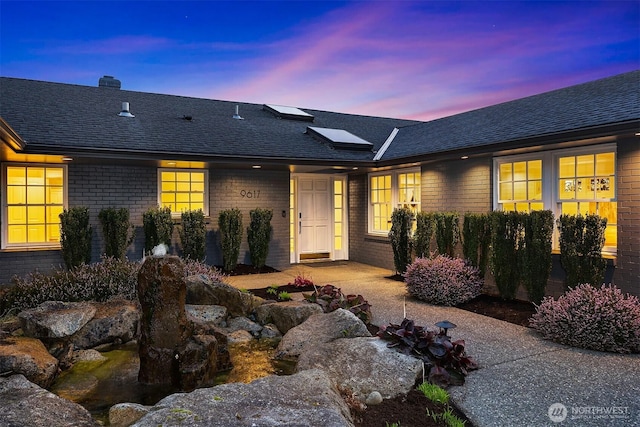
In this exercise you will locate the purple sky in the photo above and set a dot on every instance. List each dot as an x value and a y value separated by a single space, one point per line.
406 59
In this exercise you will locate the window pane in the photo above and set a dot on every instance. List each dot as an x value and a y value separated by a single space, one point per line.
611 235
167 176
53 214
536 206
605 164
183 176
569 208
535 169
337 201
519 191
55 195
35 195
17 234
505 172
17 215
16 176
35 215
567 167
182 197
168 197
168 186
535 190
522 207
54 176
16 195
197 197
584 165
197 186
567 189
605 188
519 171
584 188
36 234
197 177
505 191
508 207
53 233
183 186
196 206
35 176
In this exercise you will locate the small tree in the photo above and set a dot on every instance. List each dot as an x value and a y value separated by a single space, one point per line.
193 235
118 232
506 232
259 235
447 232
476 236
75 236
425 227
158 227
581 242
536 253
230 223
400 237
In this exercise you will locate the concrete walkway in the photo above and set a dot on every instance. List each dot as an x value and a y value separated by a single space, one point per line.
522 379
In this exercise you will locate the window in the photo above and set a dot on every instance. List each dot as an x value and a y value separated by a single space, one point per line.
34 199
183 190
392 190
520 186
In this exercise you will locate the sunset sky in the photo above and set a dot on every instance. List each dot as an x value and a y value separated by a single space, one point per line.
405 59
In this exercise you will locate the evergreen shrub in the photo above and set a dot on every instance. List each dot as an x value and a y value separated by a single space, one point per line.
400 238
117 231
447 232
75 236
425 228
193 235
158 227
230 223
536 253
476 237
259 236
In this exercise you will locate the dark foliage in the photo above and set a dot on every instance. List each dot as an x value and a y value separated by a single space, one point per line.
117 231
400 238
331 298
75 236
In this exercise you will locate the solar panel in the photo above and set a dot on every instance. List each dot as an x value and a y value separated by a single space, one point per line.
340 138
291 113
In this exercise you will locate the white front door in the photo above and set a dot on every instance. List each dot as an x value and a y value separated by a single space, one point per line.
314 217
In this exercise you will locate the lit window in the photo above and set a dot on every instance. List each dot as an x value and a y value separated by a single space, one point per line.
392 190
338 209
32 205
183 190
520 186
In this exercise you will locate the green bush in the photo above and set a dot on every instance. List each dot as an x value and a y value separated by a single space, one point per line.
581 242
447 232
259 235
230 223
400 238
425 227
158 227
506 235
536 253
476 236
117 231
193 235
75 236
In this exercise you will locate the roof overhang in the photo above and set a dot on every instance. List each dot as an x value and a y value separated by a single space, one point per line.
10 137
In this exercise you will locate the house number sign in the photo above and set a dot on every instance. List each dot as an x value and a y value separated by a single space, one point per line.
250 194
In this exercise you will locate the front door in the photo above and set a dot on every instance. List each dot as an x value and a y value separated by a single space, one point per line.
314 217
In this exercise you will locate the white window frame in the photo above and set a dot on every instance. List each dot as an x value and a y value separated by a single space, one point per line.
3 182
394 195
205 191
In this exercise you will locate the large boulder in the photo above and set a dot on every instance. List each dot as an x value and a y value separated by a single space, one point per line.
25 404
201 290
125 414
114 322
286 315
56 319
319 329
304 399
364 365
29 357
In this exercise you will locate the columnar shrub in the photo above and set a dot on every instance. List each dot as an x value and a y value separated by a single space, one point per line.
425 227
443 280
447 232
536 253
193 235
75 236
601 319
230 223
158 227
400 238
259 235
476 236
506 235
117 231
581 242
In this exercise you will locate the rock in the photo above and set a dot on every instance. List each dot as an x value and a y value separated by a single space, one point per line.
114 322
364 365
319 329
239 337
197 362
25 404
55 319
270 332
304 399
125 414
242 323
29 357
202 290
207 314
286 315
90 355
374 398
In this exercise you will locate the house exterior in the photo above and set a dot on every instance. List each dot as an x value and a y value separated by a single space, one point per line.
331 179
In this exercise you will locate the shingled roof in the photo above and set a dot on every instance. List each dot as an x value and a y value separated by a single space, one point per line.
64 118
547 117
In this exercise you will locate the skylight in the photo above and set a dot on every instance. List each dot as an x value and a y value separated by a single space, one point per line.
340 138
291 113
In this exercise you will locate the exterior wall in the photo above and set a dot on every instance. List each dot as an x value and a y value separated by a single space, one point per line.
135 188
627 274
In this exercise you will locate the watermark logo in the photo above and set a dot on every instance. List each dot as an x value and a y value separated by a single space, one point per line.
557 412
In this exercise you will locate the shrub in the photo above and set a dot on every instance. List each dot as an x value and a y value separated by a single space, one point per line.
536 253
193 235
194 267
425 227
230 223
598 319
400 238
259 235
331 298
158 227
447 232
581 241
75 236
301 282
476 236
117 231
506 234
443 280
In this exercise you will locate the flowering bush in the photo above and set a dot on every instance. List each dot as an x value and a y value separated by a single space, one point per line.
598 319
443 280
